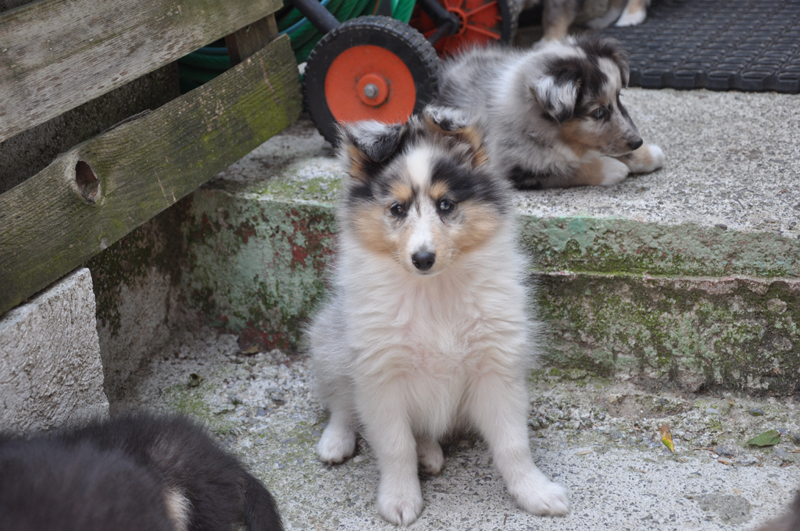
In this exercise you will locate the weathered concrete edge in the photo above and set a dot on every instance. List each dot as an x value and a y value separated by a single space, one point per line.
50 369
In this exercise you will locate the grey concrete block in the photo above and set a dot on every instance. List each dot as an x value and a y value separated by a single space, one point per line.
50 369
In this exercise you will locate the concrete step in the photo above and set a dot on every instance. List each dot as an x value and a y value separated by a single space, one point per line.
686 277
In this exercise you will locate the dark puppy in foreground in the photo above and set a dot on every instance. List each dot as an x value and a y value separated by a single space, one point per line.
789 522
552 114
133 472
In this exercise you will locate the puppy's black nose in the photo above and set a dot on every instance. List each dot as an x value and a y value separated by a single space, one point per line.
636 144
423 260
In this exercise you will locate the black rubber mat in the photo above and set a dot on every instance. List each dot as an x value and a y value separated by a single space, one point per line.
749 45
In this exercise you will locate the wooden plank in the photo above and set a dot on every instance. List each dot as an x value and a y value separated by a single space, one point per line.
99 191
248 40
58 54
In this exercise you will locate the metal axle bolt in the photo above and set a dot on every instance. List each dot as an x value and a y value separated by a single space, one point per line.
371 91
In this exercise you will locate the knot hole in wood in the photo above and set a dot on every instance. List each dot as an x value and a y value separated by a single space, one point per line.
87 182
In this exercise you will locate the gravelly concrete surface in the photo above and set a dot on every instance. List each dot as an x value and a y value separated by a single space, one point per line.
597 437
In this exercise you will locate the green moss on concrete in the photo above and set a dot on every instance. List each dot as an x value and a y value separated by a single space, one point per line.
609 245
194 402
257 267
729 333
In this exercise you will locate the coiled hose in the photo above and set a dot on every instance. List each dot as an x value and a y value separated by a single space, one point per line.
208 62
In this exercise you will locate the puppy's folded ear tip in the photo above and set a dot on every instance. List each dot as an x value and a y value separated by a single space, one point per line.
448 119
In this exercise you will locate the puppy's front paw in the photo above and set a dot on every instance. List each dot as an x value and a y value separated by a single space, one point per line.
612 171
543 498
647 158
336 444
430 456
400 506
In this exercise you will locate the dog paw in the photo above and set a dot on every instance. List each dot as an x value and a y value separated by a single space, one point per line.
398 507
430 456
645 159
632 18
336 444
613 171
544 498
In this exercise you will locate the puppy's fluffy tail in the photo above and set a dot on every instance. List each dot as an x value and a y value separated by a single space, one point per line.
260 511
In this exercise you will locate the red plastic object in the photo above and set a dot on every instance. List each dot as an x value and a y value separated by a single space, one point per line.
481 24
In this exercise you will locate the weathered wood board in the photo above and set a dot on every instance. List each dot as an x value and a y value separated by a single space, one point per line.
58 54
250 39
96 193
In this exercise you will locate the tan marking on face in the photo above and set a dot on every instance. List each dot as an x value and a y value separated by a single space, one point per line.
438 190
478 224
575 133
402 192
370 228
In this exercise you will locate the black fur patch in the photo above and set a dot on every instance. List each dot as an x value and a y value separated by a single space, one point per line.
527 179
466 184
161 452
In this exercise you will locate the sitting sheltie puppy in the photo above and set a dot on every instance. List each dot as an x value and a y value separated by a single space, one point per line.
427 331
134 472
553 116
558 15
788 522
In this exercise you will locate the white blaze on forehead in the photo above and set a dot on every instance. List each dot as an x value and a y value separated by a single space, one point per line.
419 165
611 70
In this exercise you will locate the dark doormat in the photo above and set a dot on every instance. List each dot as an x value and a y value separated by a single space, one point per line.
749 45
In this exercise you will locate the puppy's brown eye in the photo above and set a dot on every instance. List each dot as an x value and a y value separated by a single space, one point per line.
398 210
445 205
601 113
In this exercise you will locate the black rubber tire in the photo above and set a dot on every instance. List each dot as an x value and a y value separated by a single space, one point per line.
401 39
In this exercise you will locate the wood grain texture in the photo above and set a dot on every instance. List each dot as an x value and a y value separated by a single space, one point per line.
248 40
59 218
58 54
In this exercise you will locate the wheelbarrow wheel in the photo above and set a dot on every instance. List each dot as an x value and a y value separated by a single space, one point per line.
369 68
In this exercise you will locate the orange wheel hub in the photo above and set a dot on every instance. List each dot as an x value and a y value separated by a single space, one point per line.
480 24
368 82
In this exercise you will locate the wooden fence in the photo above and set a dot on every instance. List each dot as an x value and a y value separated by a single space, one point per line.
58 54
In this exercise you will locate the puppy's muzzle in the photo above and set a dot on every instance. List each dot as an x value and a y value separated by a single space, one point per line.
423 260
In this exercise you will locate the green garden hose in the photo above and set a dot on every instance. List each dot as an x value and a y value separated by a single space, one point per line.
209 62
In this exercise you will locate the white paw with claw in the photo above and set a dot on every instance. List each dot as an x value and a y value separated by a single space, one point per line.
400 506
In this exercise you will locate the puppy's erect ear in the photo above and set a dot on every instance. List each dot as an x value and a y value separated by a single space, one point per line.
558 87
460 125
598 46
365 145
620 58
